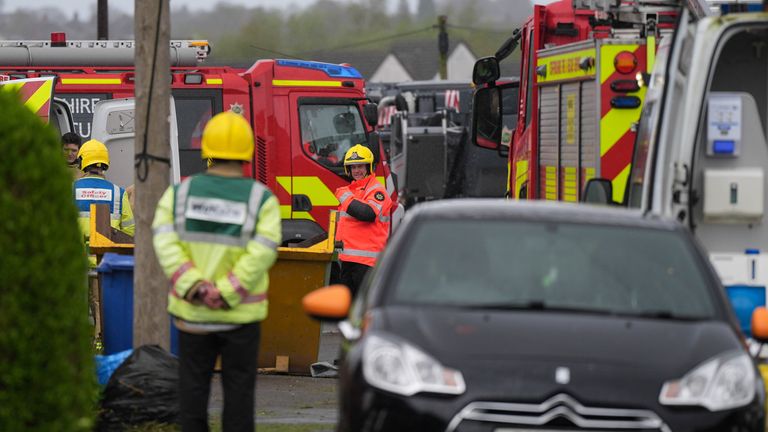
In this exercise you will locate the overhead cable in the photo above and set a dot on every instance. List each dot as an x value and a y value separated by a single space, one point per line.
478 29
370 41
275 52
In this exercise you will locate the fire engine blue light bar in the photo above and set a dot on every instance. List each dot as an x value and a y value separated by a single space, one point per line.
332 70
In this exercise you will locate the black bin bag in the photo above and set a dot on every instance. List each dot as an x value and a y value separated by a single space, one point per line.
144 389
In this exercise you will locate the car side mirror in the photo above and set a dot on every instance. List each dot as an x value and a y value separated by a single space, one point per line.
329 303
371 114
485 71
759 325
486 118
598 191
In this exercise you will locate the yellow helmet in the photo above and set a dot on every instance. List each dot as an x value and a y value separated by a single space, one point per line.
91 153
356 155
228 136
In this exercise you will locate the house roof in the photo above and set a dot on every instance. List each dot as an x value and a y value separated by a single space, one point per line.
419 57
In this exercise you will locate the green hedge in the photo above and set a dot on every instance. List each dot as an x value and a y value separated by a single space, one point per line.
47 377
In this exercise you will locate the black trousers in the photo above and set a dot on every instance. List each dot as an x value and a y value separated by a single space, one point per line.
352 275
197 357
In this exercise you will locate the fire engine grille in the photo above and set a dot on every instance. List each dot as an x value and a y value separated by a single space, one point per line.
560 412
261 159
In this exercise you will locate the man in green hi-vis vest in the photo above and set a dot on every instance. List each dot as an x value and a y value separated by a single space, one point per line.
216 236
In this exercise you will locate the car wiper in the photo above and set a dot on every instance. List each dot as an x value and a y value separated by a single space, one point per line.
537 305
662 314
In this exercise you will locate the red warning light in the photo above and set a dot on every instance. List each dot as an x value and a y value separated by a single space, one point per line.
58 39
625 62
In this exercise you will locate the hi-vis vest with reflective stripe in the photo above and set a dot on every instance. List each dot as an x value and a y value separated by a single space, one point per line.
220 229
218 210
97 190
363 241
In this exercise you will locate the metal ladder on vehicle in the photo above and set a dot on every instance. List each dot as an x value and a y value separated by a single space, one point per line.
627 6
642 14
60 52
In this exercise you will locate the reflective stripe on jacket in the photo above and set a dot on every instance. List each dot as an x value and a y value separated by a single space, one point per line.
93 189
363 241
220 229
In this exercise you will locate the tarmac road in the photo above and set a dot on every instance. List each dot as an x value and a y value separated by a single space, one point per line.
286 399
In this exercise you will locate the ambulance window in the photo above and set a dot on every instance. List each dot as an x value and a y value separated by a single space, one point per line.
645 135
739 58
193 110
328 131
529 83
648 126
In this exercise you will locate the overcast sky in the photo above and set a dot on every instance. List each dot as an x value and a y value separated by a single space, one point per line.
85 6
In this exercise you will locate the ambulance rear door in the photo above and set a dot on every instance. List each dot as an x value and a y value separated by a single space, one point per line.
37 95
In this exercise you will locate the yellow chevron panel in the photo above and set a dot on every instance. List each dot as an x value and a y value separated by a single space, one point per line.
620 184
40 97
617 122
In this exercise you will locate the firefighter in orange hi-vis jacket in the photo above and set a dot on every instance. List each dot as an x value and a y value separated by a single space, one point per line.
364 217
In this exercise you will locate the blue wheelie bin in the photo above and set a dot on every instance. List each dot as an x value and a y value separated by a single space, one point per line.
116 274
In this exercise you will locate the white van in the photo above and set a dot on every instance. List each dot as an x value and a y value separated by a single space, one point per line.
701 152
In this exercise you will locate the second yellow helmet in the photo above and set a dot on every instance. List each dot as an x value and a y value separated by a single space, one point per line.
93 152
228 136
356 155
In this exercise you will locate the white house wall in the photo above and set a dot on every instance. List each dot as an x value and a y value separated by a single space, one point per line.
460 64
391 70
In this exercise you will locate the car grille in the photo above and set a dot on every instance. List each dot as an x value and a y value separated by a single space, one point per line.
558 413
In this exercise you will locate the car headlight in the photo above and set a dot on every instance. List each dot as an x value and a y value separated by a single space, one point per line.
401 368
723 382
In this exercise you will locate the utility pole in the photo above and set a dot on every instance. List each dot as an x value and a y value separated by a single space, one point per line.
442 46
102 20
152 147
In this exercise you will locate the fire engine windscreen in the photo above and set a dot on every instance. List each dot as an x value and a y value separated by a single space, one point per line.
328 131
581 267
192 116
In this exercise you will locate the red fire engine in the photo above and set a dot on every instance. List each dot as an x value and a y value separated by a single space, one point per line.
305 114
581 93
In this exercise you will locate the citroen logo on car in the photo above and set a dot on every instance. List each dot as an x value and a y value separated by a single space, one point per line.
562 375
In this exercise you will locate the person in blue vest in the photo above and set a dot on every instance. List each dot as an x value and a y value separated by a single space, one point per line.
93 188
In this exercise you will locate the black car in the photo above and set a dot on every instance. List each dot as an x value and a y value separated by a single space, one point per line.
500 316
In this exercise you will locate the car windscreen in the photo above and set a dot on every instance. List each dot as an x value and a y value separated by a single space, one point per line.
553 266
